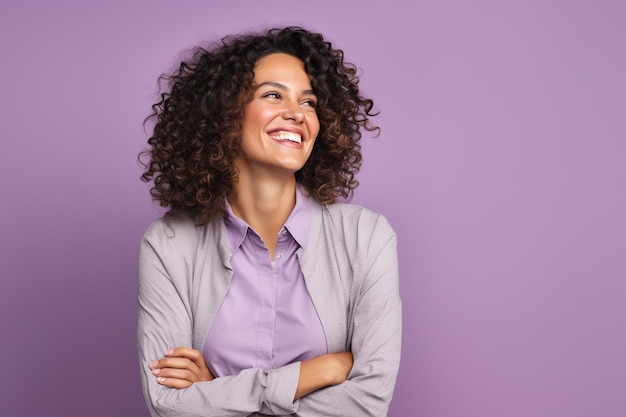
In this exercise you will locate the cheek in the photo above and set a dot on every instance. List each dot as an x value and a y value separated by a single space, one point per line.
314 126
250 119
256 116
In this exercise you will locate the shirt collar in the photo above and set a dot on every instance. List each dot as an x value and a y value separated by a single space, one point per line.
236 228
298 223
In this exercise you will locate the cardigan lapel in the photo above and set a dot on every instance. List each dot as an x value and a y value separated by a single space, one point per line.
212 275
319 268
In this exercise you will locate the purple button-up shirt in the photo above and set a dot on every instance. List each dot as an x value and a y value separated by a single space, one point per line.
267 318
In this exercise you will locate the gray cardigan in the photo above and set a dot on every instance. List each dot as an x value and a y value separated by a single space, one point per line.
350 267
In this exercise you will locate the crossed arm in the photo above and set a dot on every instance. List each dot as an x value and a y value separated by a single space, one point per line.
183 366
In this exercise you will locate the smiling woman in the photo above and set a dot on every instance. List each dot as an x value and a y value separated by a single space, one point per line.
258 293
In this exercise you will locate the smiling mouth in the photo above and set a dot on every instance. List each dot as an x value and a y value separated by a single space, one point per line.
290 136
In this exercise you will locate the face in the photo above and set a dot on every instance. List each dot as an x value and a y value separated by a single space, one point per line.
280 123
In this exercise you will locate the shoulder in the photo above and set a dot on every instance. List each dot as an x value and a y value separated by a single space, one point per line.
180 235
166 229
354 219
352 232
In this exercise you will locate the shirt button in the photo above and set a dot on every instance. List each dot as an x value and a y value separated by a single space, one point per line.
284 232
273 264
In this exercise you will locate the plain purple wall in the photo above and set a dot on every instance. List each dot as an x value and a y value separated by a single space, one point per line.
501 165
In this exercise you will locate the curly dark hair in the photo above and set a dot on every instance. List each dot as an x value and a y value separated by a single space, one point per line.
196 136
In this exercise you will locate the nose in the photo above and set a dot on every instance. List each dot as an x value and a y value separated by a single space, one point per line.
293 112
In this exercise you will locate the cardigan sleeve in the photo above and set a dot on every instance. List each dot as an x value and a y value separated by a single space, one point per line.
376 337
165 320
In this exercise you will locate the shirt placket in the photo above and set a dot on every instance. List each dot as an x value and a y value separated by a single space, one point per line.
268 292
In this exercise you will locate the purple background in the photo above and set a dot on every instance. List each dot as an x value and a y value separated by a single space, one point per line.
501 165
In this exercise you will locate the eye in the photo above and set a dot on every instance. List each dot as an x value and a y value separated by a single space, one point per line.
271 94
310 102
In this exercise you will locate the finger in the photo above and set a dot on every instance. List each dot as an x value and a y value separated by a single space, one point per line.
175 362
174 383
192 354
182 364
183 374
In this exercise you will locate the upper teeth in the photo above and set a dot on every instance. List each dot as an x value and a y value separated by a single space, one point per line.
294 137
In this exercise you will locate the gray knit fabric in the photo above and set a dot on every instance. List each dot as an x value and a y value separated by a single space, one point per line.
350 267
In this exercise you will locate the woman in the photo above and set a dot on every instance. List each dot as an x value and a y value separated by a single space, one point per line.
258 294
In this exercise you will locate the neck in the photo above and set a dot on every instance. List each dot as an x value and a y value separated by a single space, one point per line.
265 204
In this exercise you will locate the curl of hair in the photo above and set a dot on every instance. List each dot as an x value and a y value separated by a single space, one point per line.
196 136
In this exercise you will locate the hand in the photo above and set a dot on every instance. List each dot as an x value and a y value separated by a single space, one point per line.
323 371
180 368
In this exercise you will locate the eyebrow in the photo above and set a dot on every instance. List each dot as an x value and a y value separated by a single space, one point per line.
282 87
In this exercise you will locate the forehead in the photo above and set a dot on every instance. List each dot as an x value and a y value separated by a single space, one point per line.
280 67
